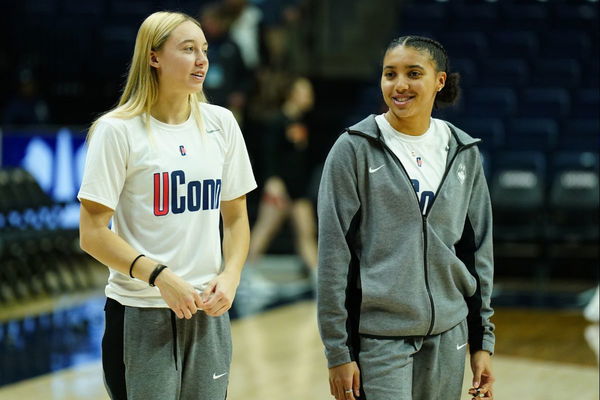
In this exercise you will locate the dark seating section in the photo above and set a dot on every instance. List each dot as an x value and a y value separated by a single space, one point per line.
491 102
547 102
530 92
573 198
561 72
465 44
510 43
539 134
517 191
505 71
37 256
530 80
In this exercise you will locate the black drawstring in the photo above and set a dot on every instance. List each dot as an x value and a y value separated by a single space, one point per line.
174 328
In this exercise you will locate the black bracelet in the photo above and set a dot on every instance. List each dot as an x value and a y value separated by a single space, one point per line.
159 268
131 266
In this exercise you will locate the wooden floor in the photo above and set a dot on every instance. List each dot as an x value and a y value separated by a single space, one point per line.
278 356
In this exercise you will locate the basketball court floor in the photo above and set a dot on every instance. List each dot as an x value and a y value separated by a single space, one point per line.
542 353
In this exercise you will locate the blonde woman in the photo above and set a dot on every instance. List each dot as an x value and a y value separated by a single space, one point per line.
162 166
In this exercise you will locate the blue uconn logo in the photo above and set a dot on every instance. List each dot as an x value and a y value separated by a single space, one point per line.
196 195
425 198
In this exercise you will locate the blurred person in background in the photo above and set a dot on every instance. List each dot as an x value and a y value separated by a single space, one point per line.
164 165
229 81
405 243
27 106
288 37
245 30
288 170
591 313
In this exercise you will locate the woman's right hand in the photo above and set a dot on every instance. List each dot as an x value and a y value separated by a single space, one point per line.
180 296
344 381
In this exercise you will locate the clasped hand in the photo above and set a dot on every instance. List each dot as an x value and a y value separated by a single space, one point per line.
185 300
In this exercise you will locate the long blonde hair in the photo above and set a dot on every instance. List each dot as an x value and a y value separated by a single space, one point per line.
141 89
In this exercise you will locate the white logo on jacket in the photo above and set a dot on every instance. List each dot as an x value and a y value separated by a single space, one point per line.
372 170
215 376
461 173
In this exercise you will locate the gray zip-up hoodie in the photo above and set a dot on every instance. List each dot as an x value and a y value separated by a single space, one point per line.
385 269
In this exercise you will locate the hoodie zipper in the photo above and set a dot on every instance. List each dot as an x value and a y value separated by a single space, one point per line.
460 148
424 221
424 216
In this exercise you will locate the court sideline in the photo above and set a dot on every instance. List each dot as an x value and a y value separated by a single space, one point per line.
278 356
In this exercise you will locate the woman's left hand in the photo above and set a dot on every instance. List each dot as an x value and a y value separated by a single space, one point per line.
483 378
218 297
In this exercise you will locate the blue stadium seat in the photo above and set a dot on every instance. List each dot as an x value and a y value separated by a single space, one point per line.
504 72
420 17
532 134
580 134
577 16
565 44
490 102
575 161
466 44
41 7
467 68
532 16
489 130
574 198
556 72
515 44
491 133
87 9
480 17
545 103
131 12
131 7
518 196
116 45
586 103
592 78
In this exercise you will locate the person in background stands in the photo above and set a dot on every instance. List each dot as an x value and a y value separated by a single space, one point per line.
288 170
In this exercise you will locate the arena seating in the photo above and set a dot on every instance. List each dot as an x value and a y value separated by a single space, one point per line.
38 257
530 91
573 198
530 79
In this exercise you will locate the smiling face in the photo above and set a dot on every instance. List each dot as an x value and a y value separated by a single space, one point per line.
409 83
181 63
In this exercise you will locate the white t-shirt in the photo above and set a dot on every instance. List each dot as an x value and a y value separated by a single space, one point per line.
166 195
423 157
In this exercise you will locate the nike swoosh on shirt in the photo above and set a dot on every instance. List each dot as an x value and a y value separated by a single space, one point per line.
458 347
371 170
215 376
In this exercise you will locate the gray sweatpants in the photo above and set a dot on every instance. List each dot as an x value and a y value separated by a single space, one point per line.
152 355
415 368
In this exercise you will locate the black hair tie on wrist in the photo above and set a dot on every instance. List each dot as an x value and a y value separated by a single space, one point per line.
132 264
159 268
